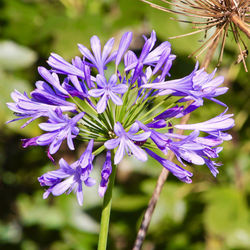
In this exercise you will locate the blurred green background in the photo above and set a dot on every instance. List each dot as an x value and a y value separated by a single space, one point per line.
208 214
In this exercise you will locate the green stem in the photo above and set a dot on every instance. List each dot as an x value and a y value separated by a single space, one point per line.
106 208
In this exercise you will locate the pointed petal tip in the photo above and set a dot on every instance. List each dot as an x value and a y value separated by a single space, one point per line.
102 191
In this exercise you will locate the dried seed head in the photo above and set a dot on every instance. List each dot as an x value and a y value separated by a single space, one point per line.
223 15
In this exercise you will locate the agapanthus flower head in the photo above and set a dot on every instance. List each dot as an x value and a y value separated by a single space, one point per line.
127 111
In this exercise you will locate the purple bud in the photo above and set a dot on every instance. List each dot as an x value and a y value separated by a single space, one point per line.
106 172
177 171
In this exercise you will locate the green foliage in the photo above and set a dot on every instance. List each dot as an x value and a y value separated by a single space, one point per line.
208 214
227 215
14 56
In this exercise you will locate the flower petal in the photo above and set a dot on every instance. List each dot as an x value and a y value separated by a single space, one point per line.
86 53
137 151
51 126
107 49
96 92
101 105
123 46
120 88
112 143
62 187
120 152
79 194
116 99
101 81
140 137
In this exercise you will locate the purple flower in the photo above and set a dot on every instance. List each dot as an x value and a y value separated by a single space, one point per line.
196 86
189 150
75 87
78 73
44 99
210 141
107 90
196 150
53 79
192 148
60 127
129 58
106 172
123 46
29 142
70 177
98 59
169 113
177 171
157 57
212 166
47 95
161 123
38 105
138 64
125 142
61 66
158 138
213 126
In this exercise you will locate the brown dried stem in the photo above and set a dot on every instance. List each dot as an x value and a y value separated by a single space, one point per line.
151 206
241 24
210 53
155 197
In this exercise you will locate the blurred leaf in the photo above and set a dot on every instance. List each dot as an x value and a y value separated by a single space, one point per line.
129 165
129 202
74 240
171 206
10 232
14 56
227 215
74 215
28 244
26 20
166 28
35 210
66 212
179 241
130 13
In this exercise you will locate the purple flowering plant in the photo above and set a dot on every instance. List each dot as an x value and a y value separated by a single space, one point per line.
134 111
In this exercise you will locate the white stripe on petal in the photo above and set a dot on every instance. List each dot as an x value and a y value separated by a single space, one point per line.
62 187
101 105
116 99
96 92
137 151
112 143
120 152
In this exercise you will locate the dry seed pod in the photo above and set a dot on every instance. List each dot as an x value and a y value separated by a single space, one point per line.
223 15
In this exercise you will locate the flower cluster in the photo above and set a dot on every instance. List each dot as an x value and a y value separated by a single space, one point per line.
134 111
